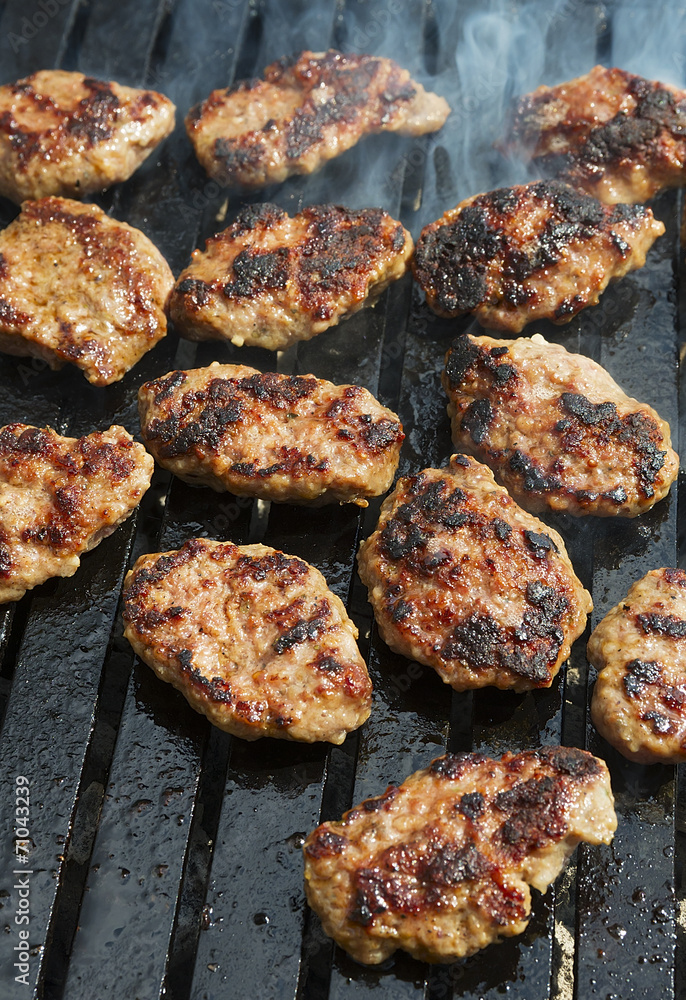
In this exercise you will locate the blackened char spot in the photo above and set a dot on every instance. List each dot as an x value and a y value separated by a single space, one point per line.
380 434
667 625
302 631
534 480
406 879
661 724
477 418
462 356
195 292
539 543
453 765
326 844
164 387
471 804
570 761
639 673
258 271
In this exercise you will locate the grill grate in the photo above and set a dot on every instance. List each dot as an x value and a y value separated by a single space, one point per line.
165 855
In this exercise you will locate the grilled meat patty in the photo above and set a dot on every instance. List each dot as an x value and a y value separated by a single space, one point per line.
442 865
533 251
77 286
639 700
252 638
305 111
465 581
69 134
556 428
270 280
616 135
59 497
290 438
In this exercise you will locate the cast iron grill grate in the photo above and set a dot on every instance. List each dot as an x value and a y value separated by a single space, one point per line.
165 856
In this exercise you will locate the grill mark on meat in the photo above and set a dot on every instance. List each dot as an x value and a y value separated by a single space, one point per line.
302 630
326 845
528 650
665 625
410 880
472 804
477 418
536 815
92 121
640 673
539 543
145 579
165 387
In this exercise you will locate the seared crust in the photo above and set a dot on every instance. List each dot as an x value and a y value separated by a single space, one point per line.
77 286
616 135
69 134
465 581
252 638
441 866
533 251
59 497
639 700
290 438
305 111
556 428
270 280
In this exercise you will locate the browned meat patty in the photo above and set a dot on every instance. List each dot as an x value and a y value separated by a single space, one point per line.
639 701
59 497
442 865
77 286
270 280
305 111
252 638
556 428
534 251
616 135
290 438
68 134
465 581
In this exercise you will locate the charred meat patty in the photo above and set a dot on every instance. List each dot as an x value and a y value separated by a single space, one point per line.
533 251
290 438
639 700
71 135
441 866
252 638
79 287
556 428
59 497
305 111
616 135
465 581
270 280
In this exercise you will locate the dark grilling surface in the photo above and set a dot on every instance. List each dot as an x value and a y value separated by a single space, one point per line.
165 856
